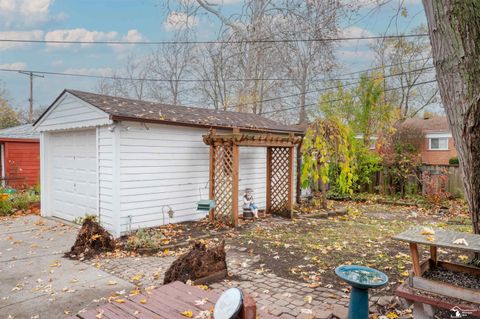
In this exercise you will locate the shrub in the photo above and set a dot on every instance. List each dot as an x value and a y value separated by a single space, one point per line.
434 187
453 161
17 201
145 238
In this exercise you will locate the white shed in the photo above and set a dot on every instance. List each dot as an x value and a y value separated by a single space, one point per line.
130 161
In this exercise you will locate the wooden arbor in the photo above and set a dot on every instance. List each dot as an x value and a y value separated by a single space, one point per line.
224 171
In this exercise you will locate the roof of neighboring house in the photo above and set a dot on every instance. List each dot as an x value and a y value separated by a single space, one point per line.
144 111
22 132
431 124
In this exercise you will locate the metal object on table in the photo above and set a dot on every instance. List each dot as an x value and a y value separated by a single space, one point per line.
361 279
229 304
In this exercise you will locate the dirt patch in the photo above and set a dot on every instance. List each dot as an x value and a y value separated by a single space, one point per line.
92 239
172 236
199 262
309 250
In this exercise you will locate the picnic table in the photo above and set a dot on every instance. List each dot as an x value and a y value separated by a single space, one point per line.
425 292
165 302
441 238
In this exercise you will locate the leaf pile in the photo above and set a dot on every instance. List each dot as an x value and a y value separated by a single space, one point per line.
91 240
199 262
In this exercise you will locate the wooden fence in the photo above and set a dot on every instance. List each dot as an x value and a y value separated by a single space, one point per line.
454 178
453 183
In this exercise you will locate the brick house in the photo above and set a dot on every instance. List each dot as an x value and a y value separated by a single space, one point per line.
438 147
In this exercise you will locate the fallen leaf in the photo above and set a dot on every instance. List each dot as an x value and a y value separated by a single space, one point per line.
203 287
119 300
137 277
427 231
460 241
112 282
143 301
201 301
187 313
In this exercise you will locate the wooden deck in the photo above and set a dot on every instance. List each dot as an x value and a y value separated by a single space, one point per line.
165 302
168 301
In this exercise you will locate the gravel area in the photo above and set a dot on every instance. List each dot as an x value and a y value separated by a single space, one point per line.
456 278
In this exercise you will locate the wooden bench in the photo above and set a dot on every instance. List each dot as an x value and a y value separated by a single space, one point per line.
167 302
416 283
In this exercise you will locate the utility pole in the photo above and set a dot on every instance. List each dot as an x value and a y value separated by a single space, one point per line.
31 75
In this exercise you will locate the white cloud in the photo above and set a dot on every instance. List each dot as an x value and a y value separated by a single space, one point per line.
178 21
78 34
356 55
133 35
90 71
14 66
24 12
57 62
355 32
20 35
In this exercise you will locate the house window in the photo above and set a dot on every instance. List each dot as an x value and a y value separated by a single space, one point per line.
438 143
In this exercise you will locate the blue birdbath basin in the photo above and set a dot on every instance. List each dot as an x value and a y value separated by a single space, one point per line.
361 279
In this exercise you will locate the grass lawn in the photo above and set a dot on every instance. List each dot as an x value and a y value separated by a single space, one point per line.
309 249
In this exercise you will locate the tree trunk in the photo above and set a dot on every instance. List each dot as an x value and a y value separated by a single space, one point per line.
323 189
454 27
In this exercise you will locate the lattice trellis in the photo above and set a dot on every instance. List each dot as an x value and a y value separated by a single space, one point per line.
223 180
279 181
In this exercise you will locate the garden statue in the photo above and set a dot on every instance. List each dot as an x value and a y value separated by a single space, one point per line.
249 203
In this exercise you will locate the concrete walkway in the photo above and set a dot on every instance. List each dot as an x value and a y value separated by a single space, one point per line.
37 282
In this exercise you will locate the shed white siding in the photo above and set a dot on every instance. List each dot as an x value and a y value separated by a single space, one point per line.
72 113
105 177
167 166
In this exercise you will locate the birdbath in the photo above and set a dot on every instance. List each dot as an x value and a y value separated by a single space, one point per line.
361 279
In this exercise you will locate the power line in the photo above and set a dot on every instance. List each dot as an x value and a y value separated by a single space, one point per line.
399 36
328 88
338 100
204 80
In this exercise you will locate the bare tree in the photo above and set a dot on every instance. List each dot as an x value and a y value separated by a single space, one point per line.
171 64
308 61
213 72
454 28
409 63
130 82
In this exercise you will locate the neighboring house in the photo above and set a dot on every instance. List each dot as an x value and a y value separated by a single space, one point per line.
439 147
19 156
131 161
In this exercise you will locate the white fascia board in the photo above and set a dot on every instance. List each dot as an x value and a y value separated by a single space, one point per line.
439 135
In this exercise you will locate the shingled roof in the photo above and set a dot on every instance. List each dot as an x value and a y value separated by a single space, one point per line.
429 125
144 111
21 132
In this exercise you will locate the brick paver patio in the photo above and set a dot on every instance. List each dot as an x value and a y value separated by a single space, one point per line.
279 296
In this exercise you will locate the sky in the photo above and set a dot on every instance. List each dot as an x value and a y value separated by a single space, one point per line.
139 20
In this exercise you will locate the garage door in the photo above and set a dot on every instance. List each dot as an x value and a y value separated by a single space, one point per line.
74 174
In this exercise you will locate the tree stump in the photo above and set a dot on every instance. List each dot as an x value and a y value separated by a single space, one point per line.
200 262
91 240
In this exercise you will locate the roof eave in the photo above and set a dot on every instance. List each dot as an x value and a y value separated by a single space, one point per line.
166 122
20 140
